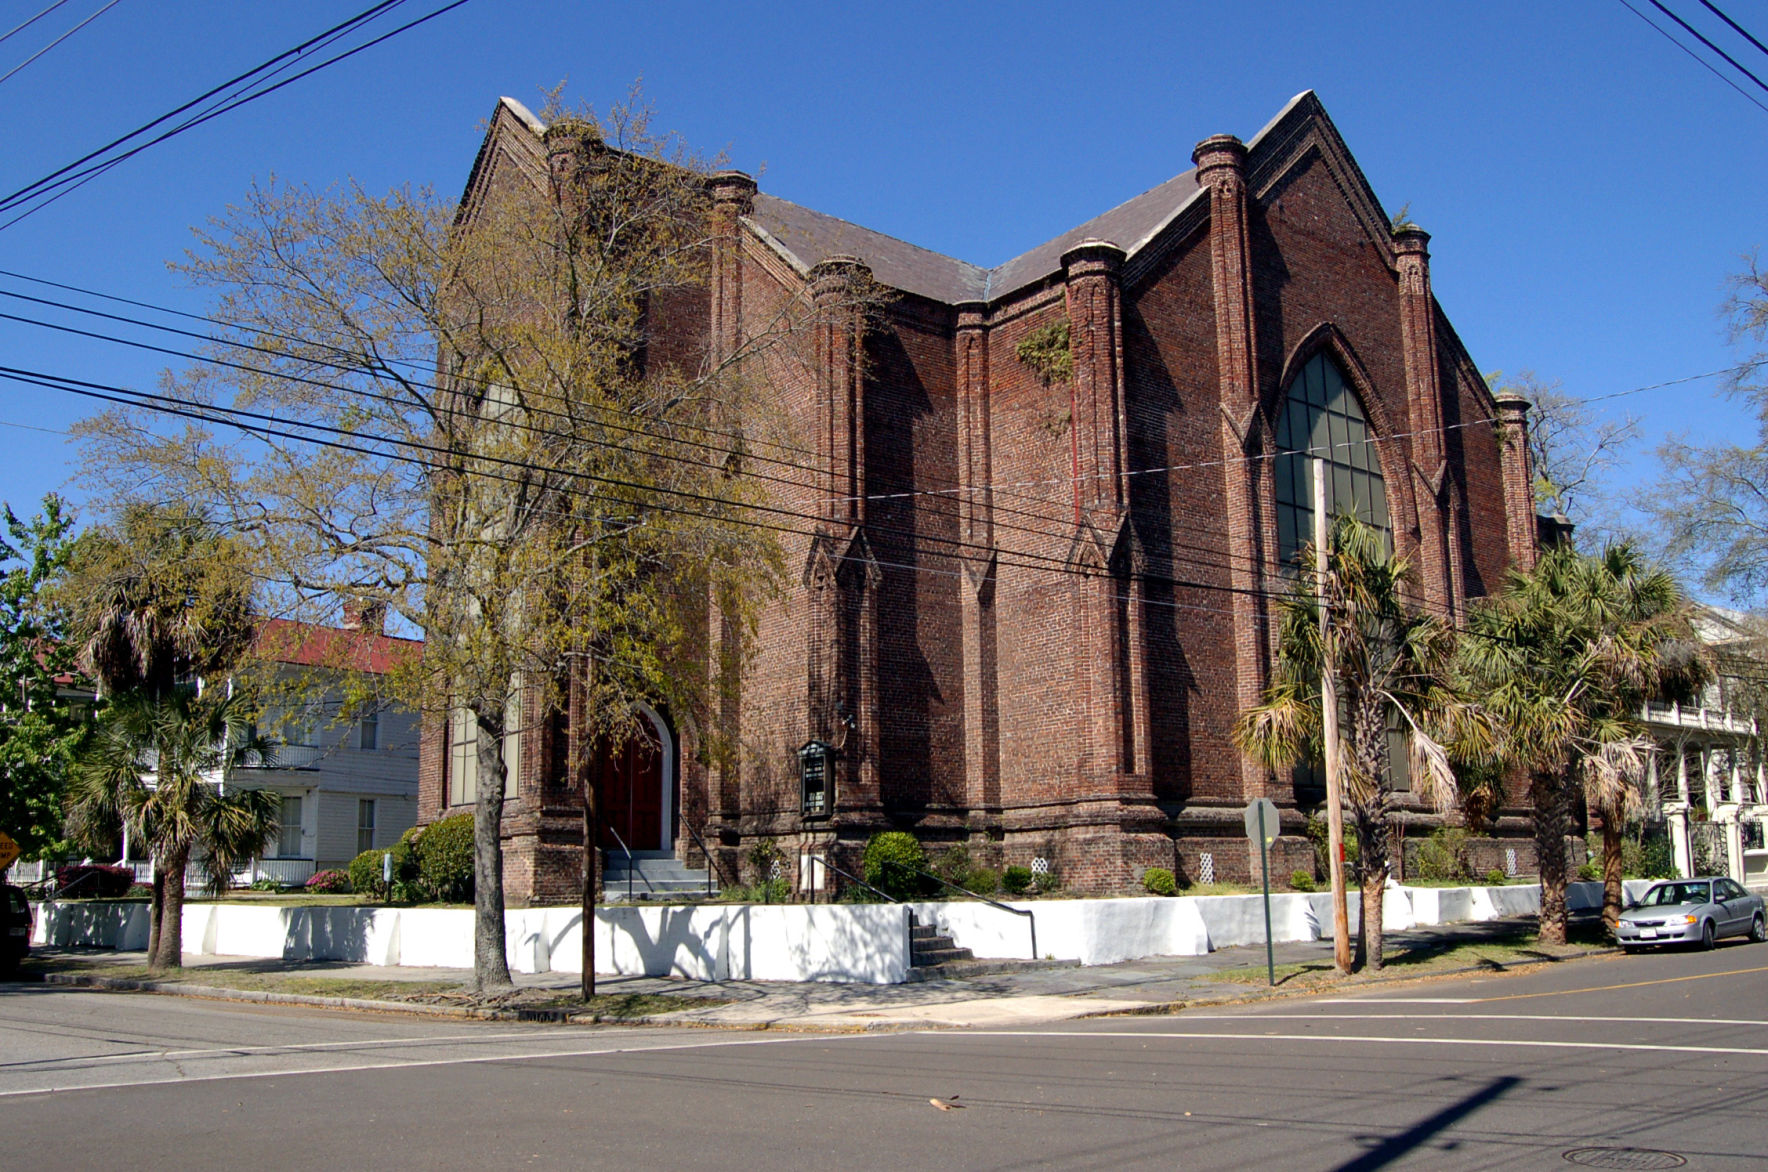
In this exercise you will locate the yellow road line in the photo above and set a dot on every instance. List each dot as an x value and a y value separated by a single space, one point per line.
1628 985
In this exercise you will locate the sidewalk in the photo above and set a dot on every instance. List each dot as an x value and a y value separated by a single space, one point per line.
992 999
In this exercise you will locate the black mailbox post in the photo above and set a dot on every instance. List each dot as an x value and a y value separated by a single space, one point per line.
816 777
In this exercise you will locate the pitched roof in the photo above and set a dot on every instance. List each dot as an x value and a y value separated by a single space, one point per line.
804 237
311 645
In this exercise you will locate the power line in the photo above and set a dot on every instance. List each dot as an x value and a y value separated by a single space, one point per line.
1735 27
1696 33
19 28
1704 63
57 40
337 29
991 486
68 182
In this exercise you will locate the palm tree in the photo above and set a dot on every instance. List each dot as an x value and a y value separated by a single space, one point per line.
1565 657
158 598
161 767
1393 668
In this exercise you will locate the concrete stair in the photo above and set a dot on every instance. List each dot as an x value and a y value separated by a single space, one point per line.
657 876
928 948
935 957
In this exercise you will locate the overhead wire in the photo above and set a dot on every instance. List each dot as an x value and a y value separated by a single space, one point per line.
31 20
58 40
1194 556
1704 63
9 200
1735 27
74 181
1701 37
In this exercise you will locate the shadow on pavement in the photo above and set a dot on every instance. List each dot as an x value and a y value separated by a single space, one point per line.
1392 1148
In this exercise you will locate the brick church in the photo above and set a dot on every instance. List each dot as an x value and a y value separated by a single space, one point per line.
1056 504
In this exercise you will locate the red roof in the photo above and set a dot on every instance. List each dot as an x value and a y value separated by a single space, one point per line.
311 645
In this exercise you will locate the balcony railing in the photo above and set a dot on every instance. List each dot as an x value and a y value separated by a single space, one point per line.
296 757
1693 717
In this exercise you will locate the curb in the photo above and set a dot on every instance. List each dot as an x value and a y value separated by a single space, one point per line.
1161 1008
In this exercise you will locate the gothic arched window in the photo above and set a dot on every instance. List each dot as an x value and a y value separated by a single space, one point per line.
1320 417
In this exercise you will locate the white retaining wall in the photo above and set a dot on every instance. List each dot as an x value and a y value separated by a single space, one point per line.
858 943
861 943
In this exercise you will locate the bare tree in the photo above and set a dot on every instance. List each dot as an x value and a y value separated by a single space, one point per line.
485 420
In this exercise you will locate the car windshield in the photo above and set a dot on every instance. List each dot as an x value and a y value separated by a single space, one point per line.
1666 894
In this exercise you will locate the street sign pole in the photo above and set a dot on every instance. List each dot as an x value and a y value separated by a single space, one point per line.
1262 825
1264 866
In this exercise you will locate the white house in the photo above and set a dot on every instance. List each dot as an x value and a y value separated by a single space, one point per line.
1707 782
345 786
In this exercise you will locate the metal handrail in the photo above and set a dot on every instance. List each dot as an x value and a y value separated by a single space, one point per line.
995 903
712 866
850 878
628 854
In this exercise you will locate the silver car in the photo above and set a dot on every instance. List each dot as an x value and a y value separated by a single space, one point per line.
1692 911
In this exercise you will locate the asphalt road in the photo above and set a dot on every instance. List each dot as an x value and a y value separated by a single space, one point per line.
1666 1052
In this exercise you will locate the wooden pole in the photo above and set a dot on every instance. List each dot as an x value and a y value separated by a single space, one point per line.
1341 920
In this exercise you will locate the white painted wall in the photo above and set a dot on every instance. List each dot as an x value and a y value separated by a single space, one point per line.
864 944
858 943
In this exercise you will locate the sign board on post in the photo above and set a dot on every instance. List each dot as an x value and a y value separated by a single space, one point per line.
8 850
1255 809
1262 827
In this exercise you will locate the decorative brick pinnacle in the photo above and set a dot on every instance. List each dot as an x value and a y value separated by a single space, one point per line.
1093 255
733 187
1412 240
1216 153
1511 403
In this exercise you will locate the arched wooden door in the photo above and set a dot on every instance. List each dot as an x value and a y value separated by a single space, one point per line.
631 791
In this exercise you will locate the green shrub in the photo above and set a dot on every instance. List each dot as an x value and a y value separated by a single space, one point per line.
1159 881
766 858
1590 873
1496 877
1016 880
443 857
265 883
767 891
1439 857
1303 880
984 880
365 874
893 864
1653 857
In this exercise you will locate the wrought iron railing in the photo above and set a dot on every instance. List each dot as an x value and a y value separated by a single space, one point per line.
994 903
712 868
628 855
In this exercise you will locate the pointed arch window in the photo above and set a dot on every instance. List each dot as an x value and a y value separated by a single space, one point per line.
1320 416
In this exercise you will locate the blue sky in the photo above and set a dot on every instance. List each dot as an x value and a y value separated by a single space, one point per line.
1588 186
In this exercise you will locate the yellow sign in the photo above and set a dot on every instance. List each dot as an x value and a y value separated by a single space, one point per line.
8 850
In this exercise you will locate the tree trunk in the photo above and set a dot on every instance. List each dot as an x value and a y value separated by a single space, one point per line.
1548 792
491 966
168 950
1611 872
591 870
1374 893
156 910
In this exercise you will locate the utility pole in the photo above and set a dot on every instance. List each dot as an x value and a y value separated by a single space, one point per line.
1341 920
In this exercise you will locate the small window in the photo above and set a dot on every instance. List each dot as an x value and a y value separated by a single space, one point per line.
371 730
288 844
364 825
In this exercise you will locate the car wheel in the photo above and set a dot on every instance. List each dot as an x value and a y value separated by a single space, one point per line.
1758 930
1708 937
